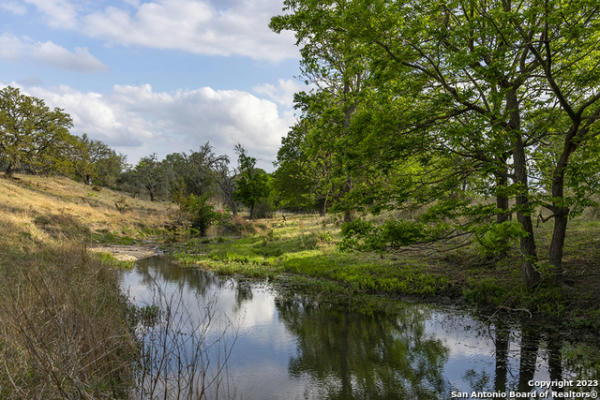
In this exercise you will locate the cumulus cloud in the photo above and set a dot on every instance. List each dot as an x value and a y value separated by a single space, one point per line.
194 26
13 48
59 13
137 120
13 7
282 93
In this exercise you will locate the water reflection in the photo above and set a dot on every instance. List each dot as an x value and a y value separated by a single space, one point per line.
364 357
290 347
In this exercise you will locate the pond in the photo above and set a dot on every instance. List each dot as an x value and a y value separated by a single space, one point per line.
213 337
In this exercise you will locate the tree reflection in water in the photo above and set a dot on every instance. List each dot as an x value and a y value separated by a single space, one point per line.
330 352
355 356
530 351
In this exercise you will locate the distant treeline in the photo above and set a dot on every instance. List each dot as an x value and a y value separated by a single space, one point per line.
35 139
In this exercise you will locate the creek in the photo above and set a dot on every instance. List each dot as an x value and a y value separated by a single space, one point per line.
230 338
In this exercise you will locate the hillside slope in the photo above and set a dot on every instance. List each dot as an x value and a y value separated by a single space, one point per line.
45 210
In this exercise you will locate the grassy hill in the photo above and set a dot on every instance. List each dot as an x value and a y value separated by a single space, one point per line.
40 210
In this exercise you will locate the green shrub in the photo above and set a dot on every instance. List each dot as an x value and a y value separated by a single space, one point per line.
201 213
366 236
496 239
263 209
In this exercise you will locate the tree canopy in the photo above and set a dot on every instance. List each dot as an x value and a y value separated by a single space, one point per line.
443 103
31 134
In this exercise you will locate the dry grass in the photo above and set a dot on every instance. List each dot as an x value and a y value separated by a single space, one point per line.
47 209
64 330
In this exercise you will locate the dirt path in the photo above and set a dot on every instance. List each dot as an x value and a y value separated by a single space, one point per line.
128 252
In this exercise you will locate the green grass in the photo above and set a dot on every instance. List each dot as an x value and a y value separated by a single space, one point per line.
304 250
108 259
106 237
311 253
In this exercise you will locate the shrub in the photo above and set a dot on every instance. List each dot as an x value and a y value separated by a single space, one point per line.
201 213
121 204
496 239
263 209
366 236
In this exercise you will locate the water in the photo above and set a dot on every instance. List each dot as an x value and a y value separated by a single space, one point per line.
265 343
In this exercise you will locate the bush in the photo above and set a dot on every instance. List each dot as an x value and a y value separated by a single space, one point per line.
200 212
263 209
392 234
496 239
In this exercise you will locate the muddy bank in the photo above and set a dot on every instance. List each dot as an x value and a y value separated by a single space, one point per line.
128 252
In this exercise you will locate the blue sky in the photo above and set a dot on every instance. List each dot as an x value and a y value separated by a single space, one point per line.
157 76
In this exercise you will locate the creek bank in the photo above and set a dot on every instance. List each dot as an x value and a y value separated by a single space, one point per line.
128 252
370 282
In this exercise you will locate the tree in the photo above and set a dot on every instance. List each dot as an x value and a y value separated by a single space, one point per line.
30 133
226 180
474 65
567 53
195 171
253 184
528 69
332 61
474 78
106 165
151 174
304 177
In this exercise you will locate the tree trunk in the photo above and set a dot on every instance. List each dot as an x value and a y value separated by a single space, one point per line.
10 170
323 210
501 198
151 195
252 207
561 213
559 232
529 274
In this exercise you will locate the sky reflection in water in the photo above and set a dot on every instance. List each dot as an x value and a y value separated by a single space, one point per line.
289 347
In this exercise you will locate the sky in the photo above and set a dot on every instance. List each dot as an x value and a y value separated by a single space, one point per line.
157 76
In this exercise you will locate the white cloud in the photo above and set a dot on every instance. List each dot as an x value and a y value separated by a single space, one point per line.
282 93
194 26
13 7
60 13
13 48
138 121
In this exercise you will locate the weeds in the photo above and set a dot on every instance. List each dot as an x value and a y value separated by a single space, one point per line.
177 344
63 328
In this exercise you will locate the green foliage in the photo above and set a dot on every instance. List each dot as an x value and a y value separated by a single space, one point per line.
253 185
420 101
392 234
152 176
107 237
497 239
201 213
36 139
31 135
